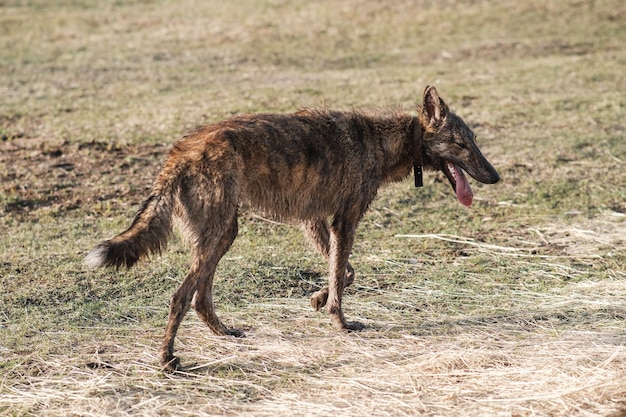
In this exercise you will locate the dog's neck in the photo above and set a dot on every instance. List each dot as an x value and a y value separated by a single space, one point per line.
417 136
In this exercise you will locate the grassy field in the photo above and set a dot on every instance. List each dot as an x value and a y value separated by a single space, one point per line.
514 307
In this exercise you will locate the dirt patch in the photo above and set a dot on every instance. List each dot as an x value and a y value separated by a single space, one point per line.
42 177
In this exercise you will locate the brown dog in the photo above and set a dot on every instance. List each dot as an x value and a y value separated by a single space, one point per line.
307 166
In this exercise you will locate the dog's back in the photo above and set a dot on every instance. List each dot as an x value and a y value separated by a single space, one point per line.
307 164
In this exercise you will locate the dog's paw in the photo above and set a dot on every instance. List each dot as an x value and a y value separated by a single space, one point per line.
235 333
341 324
171 364
354 326
319 299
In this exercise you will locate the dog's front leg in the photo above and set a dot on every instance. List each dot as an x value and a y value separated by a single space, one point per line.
341 240
318 233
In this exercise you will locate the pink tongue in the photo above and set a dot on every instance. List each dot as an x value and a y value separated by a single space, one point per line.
463 190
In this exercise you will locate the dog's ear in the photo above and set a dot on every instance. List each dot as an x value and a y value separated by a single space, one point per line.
434 108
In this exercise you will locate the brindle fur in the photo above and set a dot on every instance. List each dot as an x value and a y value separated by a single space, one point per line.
309 166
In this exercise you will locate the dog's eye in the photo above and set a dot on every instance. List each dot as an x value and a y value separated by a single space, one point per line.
461 144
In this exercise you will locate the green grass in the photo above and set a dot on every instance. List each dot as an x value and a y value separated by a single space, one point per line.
512 307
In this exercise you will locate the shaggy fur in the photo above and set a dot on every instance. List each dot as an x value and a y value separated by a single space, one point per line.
307 166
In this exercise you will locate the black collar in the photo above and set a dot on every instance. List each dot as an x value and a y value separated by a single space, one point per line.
416 137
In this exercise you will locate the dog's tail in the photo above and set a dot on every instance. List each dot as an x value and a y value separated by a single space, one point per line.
151 228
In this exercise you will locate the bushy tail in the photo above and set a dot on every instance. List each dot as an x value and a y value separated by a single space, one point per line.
149 232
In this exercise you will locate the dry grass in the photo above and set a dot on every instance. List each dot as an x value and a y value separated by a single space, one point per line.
517 364
513 308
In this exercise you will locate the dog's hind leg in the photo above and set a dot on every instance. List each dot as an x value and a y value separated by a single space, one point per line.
318 233
179 305
203 302
207 208
197 288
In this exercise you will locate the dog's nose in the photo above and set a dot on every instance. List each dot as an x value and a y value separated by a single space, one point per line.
487 174
495 177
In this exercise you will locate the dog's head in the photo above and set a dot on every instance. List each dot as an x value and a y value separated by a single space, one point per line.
449 145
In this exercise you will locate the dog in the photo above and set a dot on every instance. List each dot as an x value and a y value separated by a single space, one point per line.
309 166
